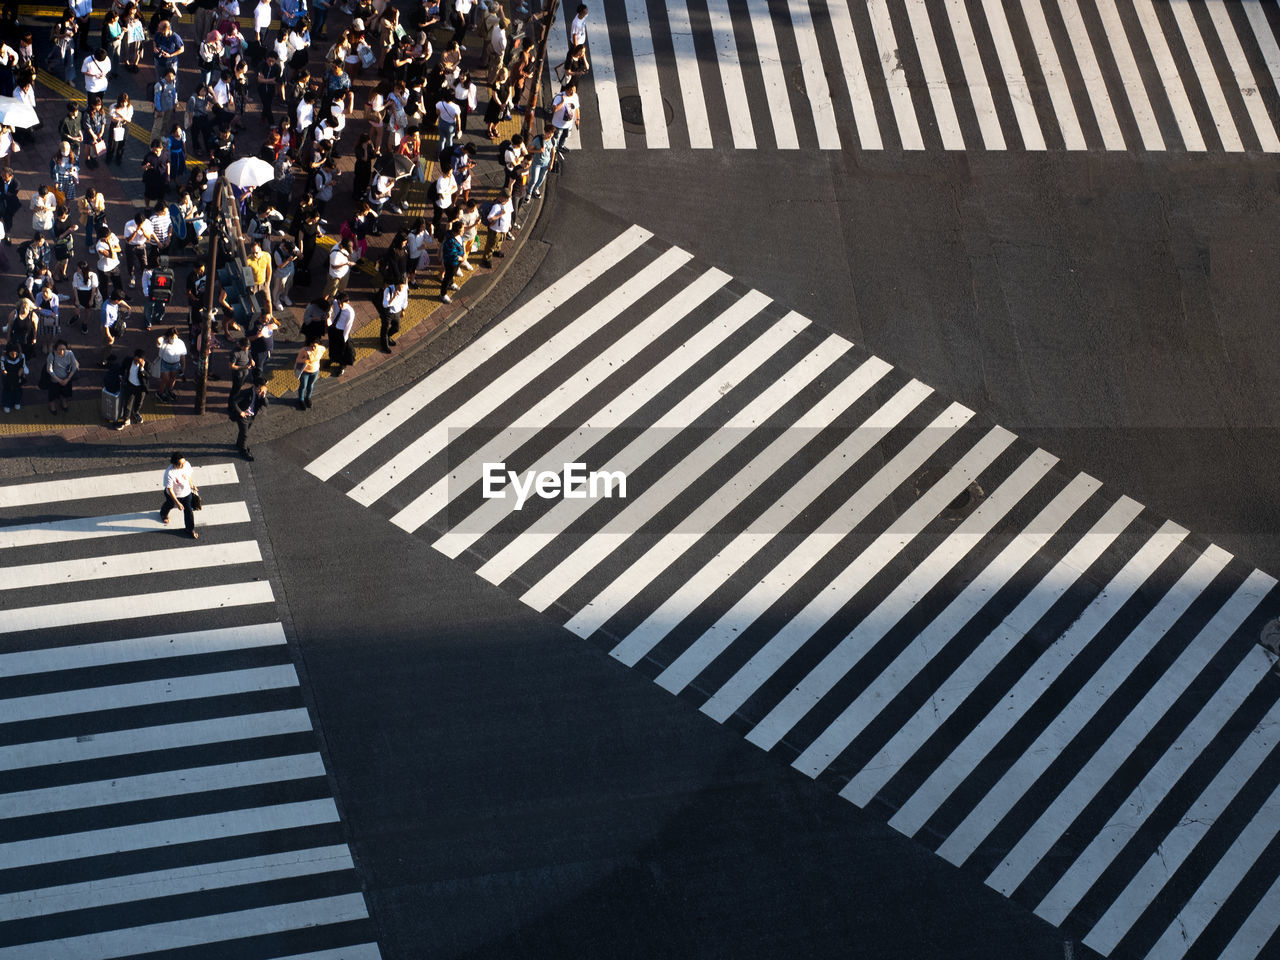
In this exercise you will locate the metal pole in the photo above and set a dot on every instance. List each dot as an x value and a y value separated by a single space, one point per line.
542 65
215 232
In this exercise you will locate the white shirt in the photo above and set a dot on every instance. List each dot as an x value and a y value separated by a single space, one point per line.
95 74
499 219
446 189
121 114
465 93
177 480
462 7
448 111
133 374
395 299
339 263
578 30
306 113
171 351
566 109
417 244
106 262
345 319
262 15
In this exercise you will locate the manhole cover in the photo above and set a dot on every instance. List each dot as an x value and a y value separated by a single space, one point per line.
632 111
631 107
1270 638
961 505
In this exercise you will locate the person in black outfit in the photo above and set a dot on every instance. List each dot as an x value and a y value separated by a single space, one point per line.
131 393
241 369
270 83
247 409
9 203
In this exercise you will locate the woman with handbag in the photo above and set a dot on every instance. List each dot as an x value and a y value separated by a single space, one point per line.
94 124
119 118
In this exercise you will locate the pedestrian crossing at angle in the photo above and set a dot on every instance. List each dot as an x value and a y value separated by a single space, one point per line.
995 75
162 785
1023 670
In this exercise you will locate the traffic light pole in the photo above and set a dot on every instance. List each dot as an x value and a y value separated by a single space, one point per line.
215 233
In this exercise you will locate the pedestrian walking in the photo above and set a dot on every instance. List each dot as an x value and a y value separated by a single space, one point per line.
180 491
246 408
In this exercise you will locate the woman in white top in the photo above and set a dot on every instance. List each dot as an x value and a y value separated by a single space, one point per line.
8 145
120 116
85 283
44 202
173 357
419 241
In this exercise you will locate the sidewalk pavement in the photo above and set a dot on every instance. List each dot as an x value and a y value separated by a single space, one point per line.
121 186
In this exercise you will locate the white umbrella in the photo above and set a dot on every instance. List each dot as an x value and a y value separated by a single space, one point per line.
15 113
249 172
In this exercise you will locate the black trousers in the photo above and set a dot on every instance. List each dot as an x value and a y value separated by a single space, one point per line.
450 274
131 401
390 326
242 434
188 514
267 97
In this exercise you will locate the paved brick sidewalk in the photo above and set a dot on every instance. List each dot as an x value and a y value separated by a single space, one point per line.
121 186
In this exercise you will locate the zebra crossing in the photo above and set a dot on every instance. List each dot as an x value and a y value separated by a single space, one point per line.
162 789
1023 670
996 75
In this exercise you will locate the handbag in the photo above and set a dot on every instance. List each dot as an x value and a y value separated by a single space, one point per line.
196 502
99 147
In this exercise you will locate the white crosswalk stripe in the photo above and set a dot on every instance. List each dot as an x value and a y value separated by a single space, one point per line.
930 75
898 596
162 790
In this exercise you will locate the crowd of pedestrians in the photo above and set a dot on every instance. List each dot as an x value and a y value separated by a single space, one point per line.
308 83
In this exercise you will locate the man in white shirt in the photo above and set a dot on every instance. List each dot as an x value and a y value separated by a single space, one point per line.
379 197
498 220
179 486
496 50
341 325
109 259
113 309
565 114
446 190
138 232
96 69
447 113
395 298
578 26
340 261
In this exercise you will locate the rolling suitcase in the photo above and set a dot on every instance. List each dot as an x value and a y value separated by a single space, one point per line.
110 406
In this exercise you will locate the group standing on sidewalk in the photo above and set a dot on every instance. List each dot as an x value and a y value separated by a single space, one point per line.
432 63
